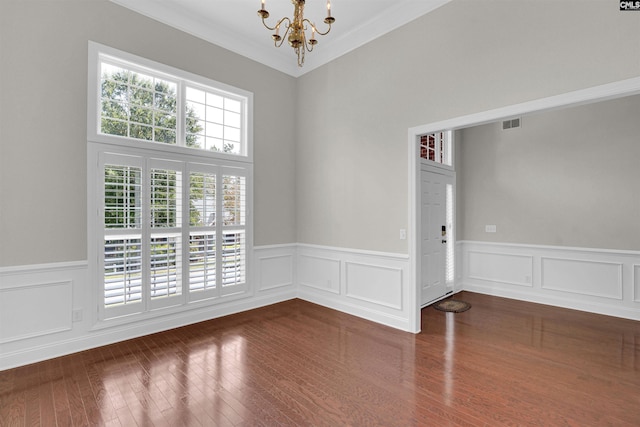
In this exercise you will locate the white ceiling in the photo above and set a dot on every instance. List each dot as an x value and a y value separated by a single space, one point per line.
235 25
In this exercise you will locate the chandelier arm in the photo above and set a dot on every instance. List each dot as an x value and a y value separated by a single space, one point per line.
279 23
284 36
316 28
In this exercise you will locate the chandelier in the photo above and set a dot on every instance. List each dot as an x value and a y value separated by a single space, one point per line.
295 29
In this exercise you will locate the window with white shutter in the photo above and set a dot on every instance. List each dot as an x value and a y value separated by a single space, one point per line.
172 225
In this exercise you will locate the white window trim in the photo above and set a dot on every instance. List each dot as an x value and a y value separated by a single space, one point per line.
98 143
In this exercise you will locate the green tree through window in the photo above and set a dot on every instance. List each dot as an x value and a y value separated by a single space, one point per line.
143 107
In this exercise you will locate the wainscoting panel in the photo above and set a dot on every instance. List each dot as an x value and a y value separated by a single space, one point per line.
319 272
367 284
373 283
600 281
498 267
274 267
35 310
37 303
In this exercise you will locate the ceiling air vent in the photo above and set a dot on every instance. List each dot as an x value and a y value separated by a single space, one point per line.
510 124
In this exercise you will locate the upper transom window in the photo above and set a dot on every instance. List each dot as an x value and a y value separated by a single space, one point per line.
141 103
436 147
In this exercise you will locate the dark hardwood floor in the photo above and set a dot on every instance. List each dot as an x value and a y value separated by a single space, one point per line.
503 362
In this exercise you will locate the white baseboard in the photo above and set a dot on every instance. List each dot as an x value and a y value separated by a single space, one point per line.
601 281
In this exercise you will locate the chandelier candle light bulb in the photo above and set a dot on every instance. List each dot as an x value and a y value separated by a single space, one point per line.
296 28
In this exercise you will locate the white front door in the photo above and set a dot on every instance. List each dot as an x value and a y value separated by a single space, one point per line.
436 235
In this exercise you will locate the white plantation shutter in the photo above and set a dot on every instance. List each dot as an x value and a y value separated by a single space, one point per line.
174 232
233 258
164 242
233 264
202 264
203 232
122 270
121 214
218 225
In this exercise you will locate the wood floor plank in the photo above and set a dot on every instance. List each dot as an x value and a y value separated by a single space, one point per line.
13 410
501 363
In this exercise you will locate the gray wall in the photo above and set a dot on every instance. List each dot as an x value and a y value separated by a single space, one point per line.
463 58
569 177
339 175
43 121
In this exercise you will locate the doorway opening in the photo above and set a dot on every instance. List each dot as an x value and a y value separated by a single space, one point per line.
593 94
